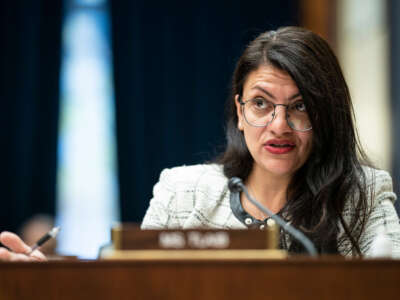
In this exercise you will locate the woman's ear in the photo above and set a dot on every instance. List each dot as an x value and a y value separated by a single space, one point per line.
239 113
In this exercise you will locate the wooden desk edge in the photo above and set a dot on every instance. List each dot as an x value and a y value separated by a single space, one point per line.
144 255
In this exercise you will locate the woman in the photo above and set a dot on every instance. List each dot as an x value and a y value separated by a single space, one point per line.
291 138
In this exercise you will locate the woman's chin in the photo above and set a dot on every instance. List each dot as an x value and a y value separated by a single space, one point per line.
279 169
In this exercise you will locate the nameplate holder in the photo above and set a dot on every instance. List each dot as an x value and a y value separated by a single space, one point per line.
131 237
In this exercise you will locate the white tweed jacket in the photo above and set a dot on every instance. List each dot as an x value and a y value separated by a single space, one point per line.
198 196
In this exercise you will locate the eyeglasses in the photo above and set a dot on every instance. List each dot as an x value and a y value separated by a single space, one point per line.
259 112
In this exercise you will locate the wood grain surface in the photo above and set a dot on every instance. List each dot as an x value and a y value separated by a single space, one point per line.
293 278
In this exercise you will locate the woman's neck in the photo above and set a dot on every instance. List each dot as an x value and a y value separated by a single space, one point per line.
268 189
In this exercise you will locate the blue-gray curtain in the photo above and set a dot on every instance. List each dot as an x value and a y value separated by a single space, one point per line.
30 33
394 25
173 62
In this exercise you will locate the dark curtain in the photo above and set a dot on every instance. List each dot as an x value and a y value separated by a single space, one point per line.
30 33
394 25
173 62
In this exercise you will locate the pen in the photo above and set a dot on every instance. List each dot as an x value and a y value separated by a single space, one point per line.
51 234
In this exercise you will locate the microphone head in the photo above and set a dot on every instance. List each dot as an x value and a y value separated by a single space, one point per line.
235 184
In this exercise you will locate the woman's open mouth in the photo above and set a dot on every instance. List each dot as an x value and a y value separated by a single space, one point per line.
279 146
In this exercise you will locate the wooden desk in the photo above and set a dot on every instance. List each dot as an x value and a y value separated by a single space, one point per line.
294 278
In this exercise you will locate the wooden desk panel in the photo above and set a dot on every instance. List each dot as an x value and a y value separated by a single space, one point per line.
299 278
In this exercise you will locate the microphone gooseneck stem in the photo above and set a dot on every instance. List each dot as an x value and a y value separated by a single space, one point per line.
297 234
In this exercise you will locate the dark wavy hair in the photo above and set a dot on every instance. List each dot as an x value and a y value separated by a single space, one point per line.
333 173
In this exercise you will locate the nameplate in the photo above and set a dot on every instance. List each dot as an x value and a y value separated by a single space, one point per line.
128 237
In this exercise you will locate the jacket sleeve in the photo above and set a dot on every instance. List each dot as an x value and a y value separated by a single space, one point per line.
382 215
160 214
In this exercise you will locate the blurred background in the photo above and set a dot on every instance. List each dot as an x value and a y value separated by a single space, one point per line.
99 96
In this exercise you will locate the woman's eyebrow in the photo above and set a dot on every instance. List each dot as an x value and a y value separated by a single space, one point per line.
272 96
295 96
264 91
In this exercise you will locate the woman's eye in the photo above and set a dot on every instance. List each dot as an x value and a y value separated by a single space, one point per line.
260 103
299 106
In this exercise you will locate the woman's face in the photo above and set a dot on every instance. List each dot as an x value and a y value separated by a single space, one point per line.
277 149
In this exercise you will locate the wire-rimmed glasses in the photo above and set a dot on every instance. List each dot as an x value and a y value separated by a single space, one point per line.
260 112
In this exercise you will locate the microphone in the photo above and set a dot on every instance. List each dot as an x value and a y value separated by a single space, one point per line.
236 185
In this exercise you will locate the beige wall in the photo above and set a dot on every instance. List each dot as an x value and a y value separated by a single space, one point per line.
363 50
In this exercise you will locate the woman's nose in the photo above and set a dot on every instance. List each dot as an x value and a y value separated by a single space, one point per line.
279 123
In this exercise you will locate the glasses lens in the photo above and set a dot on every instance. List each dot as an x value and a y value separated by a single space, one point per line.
297 116
260 112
